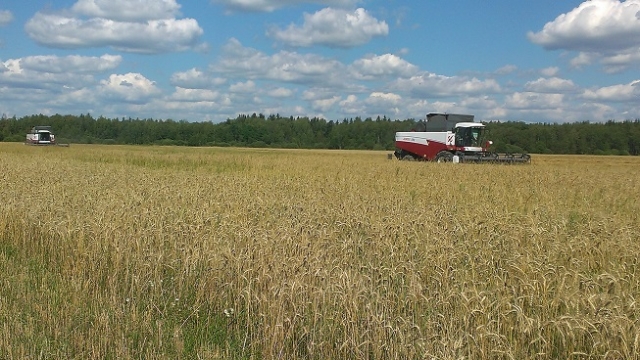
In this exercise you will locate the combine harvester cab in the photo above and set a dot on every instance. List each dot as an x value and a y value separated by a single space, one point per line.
41 135
451 138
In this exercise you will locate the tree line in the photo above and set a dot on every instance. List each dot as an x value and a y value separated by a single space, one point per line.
258 130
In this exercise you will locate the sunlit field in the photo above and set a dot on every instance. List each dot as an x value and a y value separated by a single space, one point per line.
219 253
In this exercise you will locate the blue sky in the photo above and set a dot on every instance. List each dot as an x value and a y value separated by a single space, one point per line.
533 61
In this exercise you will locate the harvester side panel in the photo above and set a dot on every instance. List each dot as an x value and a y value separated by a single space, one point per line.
423 145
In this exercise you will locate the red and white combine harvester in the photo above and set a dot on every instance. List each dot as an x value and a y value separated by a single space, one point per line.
451 138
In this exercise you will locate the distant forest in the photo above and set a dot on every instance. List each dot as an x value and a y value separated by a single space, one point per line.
257 130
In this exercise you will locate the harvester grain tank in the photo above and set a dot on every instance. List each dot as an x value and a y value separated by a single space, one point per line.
450 138
41 135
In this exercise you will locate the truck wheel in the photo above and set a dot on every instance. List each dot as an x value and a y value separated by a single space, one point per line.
444 156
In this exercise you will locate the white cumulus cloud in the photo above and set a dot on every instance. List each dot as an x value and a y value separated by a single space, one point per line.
334 28
383 103
280 92
596 28
243 87
71 63
616 93
550 85
271 5
6 17
130 88
383 65
507 69
325 104
550 71
434 85
582 59
117 24
195 79
618 62
283 66
55 72
386 97
534 101
352 106
194 95
127 10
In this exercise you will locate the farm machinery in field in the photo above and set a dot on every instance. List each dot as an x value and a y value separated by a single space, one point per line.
42 135
451 138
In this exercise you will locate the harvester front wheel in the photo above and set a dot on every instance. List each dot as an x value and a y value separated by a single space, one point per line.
444 156
408 158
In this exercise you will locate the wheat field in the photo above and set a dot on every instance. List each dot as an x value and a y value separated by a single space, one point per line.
123 252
